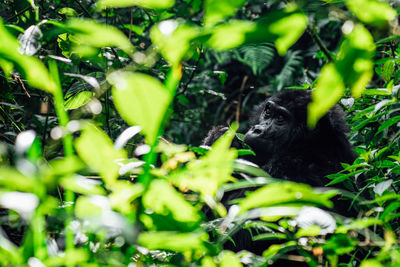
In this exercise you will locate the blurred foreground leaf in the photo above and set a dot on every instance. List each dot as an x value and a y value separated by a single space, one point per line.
141 100
373 12
98 151
155 4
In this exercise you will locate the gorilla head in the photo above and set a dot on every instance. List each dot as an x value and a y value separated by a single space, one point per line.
286 148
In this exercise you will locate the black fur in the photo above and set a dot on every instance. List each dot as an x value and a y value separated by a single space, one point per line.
289 150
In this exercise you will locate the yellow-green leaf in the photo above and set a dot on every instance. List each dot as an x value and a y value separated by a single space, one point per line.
92 33
173 241
217 10
97 150
141 100
153 4
374 12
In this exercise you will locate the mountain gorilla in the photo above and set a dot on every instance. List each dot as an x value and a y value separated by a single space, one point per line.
287 149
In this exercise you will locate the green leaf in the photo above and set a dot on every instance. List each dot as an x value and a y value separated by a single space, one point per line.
97 150
328 91
285 193
387 124
14 180
229 259
173 39
211 171
355 59
371 263
82 185
372 11
173 241
78 100
123 194
358 224
140 100
33 69
153 4
95 34
281 27
163 199
217 10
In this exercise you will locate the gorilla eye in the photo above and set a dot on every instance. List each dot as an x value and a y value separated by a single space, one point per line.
267 111
281 118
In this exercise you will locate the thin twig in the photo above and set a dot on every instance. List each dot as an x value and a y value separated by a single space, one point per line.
19 13
20 82
314 35
245 78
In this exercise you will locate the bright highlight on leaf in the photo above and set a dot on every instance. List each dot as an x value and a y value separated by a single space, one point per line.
153 4
33 69
141 100
374 12
173 39
98 151
92 33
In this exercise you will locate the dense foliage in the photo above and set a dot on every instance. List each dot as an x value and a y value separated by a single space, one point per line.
103 106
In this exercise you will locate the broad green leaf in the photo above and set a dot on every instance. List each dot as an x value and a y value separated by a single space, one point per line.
163 199
123 194
285 193
174 241
78 100
140 100
211 171
281 27
217 10
388 123
98 151
229 259
371 263
358 224
95 34
33 69
173 39
230 35
355 59
373 12
328 91
14 180
153 4
89 207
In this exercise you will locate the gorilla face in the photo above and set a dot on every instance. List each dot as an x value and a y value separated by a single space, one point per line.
273 129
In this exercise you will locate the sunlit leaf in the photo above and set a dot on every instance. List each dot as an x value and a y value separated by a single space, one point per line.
372 11
95 34
162 198
154 4
211 171
98 151
141 100
358 224
285 193
328 91
217 10
33 69
173 39
82 185
281 27
355 59
173 241
371 263
78 100
229 259
123 194
14 180
388 123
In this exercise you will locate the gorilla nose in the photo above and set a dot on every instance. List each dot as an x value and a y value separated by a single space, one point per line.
258 130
